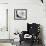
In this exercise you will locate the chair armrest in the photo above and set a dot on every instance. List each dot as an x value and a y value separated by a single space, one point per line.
22 35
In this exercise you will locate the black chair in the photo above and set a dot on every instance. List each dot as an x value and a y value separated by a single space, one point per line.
32 29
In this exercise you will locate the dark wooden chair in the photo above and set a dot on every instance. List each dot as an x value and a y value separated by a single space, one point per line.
32 29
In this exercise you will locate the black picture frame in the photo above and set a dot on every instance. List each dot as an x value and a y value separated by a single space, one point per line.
18 12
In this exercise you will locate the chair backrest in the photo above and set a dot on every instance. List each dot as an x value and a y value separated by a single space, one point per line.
33 28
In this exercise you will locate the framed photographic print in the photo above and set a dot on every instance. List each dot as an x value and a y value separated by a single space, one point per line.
20 14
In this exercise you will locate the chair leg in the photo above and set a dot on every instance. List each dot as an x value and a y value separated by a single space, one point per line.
32 42
20 42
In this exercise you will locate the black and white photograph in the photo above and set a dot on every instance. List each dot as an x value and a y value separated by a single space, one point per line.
20 14
22 22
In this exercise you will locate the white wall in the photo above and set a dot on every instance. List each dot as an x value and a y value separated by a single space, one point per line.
3 1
